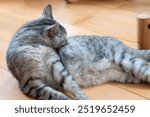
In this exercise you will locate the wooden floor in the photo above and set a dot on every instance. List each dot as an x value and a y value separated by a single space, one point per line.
101 17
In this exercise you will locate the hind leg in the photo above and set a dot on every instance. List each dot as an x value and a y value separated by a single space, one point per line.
100 77
134 66
120 76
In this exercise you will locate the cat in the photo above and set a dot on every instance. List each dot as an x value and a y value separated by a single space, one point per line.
33 60
50 65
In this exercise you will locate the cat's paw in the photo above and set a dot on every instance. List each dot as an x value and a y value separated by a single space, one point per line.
61 97
82 97
65 97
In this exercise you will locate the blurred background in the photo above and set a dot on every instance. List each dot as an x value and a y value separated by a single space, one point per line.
87 17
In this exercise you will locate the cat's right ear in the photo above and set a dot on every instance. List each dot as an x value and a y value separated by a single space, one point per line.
47 12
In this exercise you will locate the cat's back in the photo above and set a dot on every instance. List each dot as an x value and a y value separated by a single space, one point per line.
79 43
93 39
87 47
90 46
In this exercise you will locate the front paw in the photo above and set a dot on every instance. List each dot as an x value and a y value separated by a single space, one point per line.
82 97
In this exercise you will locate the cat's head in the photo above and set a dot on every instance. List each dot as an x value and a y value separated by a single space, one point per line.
53 33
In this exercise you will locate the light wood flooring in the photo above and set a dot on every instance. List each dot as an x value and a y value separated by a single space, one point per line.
101 17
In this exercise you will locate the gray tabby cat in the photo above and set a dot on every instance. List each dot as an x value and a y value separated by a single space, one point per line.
33 60
46 64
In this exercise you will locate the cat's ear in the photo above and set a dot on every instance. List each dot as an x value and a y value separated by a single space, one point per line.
53 30
47 12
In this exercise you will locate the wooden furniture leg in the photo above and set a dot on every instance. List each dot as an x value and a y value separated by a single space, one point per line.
143 21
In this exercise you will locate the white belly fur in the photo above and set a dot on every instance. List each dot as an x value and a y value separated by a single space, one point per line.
89 74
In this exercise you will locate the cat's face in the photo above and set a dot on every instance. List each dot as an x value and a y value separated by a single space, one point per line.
49 29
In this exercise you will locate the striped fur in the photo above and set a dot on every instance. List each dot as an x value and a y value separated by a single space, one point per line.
94 60
48 65
33 60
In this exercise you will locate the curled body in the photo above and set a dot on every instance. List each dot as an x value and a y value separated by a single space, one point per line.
32 59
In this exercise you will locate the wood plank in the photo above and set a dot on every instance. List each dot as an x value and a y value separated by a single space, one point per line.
9 25
3 49
111 28
9 87
142 90
5 35
110 92
137 6
68 15
73 30
18 9
107 4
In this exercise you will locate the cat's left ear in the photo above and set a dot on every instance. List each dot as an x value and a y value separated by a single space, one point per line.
47 12
53 30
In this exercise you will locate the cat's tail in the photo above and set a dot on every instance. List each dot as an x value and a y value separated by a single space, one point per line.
34 87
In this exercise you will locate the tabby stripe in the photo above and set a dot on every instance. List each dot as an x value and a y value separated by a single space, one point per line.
29 80
66 75
47 95
54 62
132 61
52 68
126 58
31 89
134 67
122 57
112 54
44 94
63 78
62 81
39 89
132 74
50 97
63 70
40 22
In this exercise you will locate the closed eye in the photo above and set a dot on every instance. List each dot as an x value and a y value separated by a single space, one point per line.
62 29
